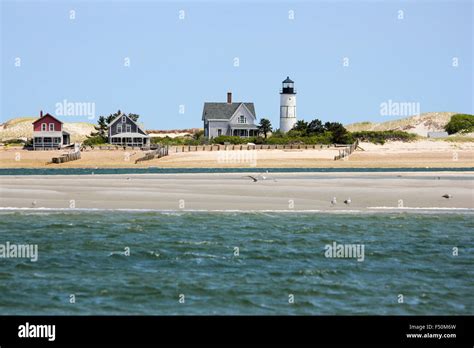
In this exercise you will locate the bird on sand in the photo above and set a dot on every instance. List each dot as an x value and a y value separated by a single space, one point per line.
266 176
333 201
447 196
33 204
251 177
348 201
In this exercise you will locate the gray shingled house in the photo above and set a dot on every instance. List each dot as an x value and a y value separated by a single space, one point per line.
237 119
124 131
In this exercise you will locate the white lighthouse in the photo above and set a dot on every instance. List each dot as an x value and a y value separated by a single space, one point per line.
287 106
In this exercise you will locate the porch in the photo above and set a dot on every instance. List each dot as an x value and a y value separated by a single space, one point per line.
244 130
50 140
47 143
130 139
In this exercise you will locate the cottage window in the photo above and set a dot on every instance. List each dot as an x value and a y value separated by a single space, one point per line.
51 127
128 128
219 132
242 119
124 119
43 127
119 128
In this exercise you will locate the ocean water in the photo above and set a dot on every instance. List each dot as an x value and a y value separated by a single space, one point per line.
157 170
280 255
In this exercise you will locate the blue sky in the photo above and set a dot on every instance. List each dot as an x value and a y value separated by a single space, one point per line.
186 62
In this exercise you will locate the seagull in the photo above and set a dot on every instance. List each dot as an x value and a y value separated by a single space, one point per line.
33 204
333 201
262 175
348 201
447 196
251 177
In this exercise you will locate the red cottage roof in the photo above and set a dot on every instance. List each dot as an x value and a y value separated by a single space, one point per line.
39 119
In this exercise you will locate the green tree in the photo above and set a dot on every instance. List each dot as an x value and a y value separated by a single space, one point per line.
134 117
463 123
340 135
301 126
264 127
101 128
315 127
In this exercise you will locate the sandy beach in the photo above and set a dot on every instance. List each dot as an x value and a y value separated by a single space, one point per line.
234 191
427 153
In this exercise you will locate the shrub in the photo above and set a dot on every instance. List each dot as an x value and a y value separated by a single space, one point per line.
95 140
380 137
15 142
463 123
234 140
187 140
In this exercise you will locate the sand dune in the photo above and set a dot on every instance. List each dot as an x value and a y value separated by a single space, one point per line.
420 124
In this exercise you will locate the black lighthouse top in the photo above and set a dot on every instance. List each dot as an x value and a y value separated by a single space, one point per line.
288 86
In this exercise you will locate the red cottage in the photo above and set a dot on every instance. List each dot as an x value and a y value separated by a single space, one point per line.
48 133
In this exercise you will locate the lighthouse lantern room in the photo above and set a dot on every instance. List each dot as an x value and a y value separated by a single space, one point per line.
287 105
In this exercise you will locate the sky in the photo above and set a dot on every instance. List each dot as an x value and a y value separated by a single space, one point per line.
163 60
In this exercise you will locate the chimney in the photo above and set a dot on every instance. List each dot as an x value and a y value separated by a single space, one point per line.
41 113
229 97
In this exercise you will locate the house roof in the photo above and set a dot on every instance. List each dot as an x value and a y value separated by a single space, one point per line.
139 125
223 111
39 119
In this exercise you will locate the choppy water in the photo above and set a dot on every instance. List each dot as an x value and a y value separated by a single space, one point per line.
83 253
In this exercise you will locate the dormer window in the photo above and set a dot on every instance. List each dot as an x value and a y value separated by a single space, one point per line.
119 128
43 127
51 127
124 119
242 119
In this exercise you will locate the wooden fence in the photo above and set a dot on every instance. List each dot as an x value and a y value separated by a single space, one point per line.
67 157
112 147
345 152
193 148
161 151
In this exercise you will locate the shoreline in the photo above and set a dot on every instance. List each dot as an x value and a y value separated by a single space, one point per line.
413 191
368 211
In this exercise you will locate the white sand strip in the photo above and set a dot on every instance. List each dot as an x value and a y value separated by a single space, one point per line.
235 191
